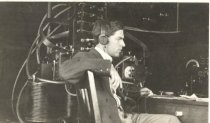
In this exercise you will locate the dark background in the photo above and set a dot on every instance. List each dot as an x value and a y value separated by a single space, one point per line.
168 53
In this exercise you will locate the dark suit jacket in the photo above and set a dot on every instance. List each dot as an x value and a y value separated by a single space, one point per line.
74 71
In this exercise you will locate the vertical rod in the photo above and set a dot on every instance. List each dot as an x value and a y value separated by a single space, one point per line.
74 33
49 15
177 17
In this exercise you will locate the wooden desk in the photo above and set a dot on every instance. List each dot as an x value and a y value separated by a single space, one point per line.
188 111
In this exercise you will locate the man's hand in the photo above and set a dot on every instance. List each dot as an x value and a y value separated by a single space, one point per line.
146 92
115 78
125 118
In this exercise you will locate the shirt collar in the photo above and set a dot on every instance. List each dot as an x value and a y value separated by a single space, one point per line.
103 54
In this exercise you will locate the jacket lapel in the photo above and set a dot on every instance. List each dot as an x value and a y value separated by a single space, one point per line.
98 55
95 53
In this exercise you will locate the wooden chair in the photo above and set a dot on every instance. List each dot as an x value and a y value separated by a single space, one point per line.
88 102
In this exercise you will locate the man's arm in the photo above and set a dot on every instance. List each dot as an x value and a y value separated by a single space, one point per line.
74 69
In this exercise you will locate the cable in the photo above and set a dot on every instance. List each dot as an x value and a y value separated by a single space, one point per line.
16 80
49 81
36 40
61 12
27 59
39 44
19 72
55 29
18 102
125 59
67 90
13 89
39 30
143 30
40 27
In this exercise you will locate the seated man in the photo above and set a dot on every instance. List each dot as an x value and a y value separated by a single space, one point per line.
109 37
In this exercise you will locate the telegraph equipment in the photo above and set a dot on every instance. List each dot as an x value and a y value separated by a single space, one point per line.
129 69
197 77
64 30
87 13
84 14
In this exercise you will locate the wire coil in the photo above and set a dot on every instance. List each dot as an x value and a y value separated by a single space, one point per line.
39 109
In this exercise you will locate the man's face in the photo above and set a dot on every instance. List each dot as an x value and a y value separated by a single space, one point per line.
116 43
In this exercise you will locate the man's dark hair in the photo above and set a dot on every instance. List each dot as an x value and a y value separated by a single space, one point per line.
109 27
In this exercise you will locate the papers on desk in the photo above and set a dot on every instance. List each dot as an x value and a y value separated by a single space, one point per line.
182 97
164 97
194 97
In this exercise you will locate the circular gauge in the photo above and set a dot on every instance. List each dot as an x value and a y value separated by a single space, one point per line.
128 72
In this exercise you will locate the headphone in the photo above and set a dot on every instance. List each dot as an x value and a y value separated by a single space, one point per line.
103 38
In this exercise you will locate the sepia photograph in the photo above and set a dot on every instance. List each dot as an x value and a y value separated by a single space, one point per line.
104 62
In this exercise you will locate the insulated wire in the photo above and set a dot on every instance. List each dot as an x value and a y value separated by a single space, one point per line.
13 90
18 102
39 44
125 59
43 19
40 26
55 29
67 90
143 30
49 81
61 12
38 35
16 80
